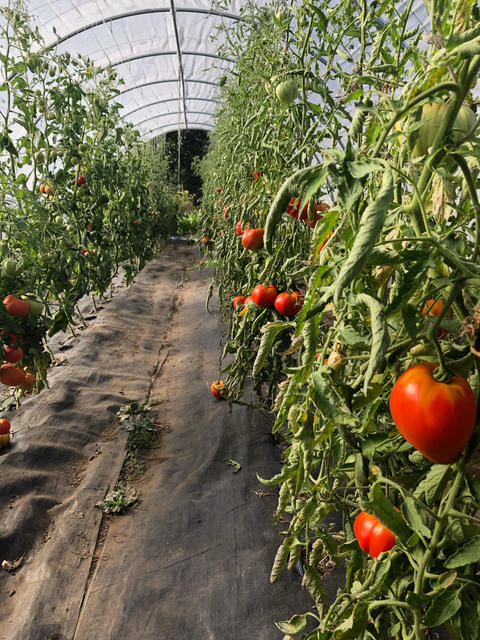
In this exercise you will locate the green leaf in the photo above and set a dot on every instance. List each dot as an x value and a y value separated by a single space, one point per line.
435 481
443 607
349 336
281 558
381 506
413 518
380 337
410 316
467 554
351 628
361 168
372 442
369 229
328 401
270 332
294 625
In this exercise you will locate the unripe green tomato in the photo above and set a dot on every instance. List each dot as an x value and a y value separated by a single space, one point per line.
59 219
9 267
287 91
83 148
50 115
432 116
74 160
70 228
52 72
35 305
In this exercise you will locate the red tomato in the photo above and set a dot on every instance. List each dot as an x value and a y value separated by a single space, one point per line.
373 537
256 175
432 307
28 382
219 190
11 376
252 239
12 354
264 295
4 426
42 188
238 228
136 222
437 418
238 300
289 304
81 180
218 389
15 306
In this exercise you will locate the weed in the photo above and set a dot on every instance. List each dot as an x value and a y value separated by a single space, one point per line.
121 498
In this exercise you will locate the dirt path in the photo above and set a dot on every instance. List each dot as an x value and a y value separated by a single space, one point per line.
192 560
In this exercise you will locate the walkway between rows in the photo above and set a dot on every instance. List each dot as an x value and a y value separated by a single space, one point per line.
192 560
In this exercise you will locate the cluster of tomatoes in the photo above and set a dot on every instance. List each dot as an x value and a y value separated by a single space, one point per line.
11 374
287 304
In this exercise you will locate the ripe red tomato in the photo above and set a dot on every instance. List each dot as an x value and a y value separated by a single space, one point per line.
252 239
4 426
289 304
437 418
81 180
293 209
238 300
12 354
432 307
218 389
15 306
256 175
11 376
264 295
42 188
28 382
238 228
373 537
219 190
136 222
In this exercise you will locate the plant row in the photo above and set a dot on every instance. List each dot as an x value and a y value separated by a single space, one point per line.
355 150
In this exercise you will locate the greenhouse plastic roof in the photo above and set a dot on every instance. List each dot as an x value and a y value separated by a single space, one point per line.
162 49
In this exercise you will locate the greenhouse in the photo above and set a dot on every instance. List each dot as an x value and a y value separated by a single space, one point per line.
240 320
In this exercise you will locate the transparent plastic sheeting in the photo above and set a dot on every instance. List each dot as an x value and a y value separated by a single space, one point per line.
162 49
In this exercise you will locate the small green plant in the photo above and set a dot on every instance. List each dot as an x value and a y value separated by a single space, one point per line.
189 223
121 498
142 434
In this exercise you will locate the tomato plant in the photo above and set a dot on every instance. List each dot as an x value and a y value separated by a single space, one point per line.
382 127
